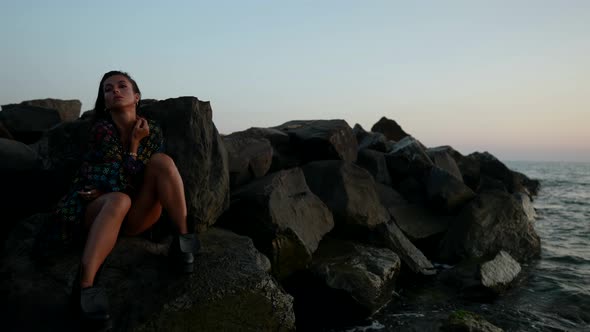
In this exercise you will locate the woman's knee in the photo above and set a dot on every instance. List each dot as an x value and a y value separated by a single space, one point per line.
118 201
161 162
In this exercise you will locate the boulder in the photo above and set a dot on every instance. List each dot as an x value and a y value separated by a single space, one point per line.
491 222
28 123
346 282
16 156
249 158
283 156
442 158
492 167
388 197
348 191
374 162
417 222
321 139
445 192
483 279
529 186
499 273
283 217
197 149
406 158
527 205
146 295
390 129
4 133
390 236
69 110
370 140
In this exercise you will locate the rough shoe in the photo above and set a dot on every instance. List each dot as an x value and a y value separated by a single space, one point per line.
182 252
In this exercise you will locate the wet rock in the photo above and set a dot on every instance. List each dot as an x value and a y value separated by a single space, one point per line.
500 272
465 321
491 222
346 282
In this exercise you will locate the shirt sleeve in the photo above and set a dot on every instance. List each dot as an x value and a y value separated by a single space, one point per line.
151 144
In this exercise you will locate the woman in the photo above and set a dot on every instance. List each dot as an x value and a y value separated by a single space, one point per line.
123 184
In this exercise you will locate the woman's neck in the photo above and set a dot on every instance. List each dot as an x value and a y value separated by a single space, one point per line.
124 121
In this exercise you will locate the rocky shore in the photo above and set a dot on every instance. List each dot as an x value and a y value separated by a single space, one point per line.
307 225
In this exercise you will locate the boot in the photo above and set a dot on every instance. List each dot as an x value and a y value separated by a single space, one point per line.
182 252
91 302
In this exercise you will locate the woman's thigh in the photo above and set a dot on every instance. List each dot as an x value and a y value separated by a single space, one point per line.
145 208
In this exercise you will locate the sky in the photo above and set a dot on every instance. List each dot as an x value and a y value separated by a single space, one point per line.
508 77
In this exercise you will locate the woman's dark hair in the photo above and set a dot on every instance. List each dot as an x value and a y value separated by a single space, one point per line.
100 111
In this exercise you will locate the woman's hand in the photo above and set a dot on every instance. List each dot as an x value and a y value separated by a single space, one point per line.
140 130
89 193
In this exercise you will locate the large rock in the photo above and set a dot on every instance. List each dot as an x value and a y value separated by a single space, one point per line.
283 217
390 236
4 133
28 123
321 139
408 157
417 222
283 156
390 129
15 155
483 279
347 281
445 192
491 222
198 151
499 273
249 158
230 289
69 110
374 162
22 186
442 158
349 191
370 140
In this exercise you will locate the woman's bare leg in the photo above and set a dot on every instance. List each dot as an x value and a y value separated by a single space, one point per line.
104 217
162 188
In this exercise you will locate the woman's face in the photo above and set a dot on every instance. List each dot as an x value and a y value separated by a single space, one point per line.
118 92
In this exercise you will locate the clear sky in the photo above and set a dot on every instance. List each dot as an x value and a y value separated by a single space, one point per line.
508 77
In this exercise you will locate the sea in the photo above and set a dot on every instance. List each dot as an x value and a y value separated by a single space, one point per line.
553 292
